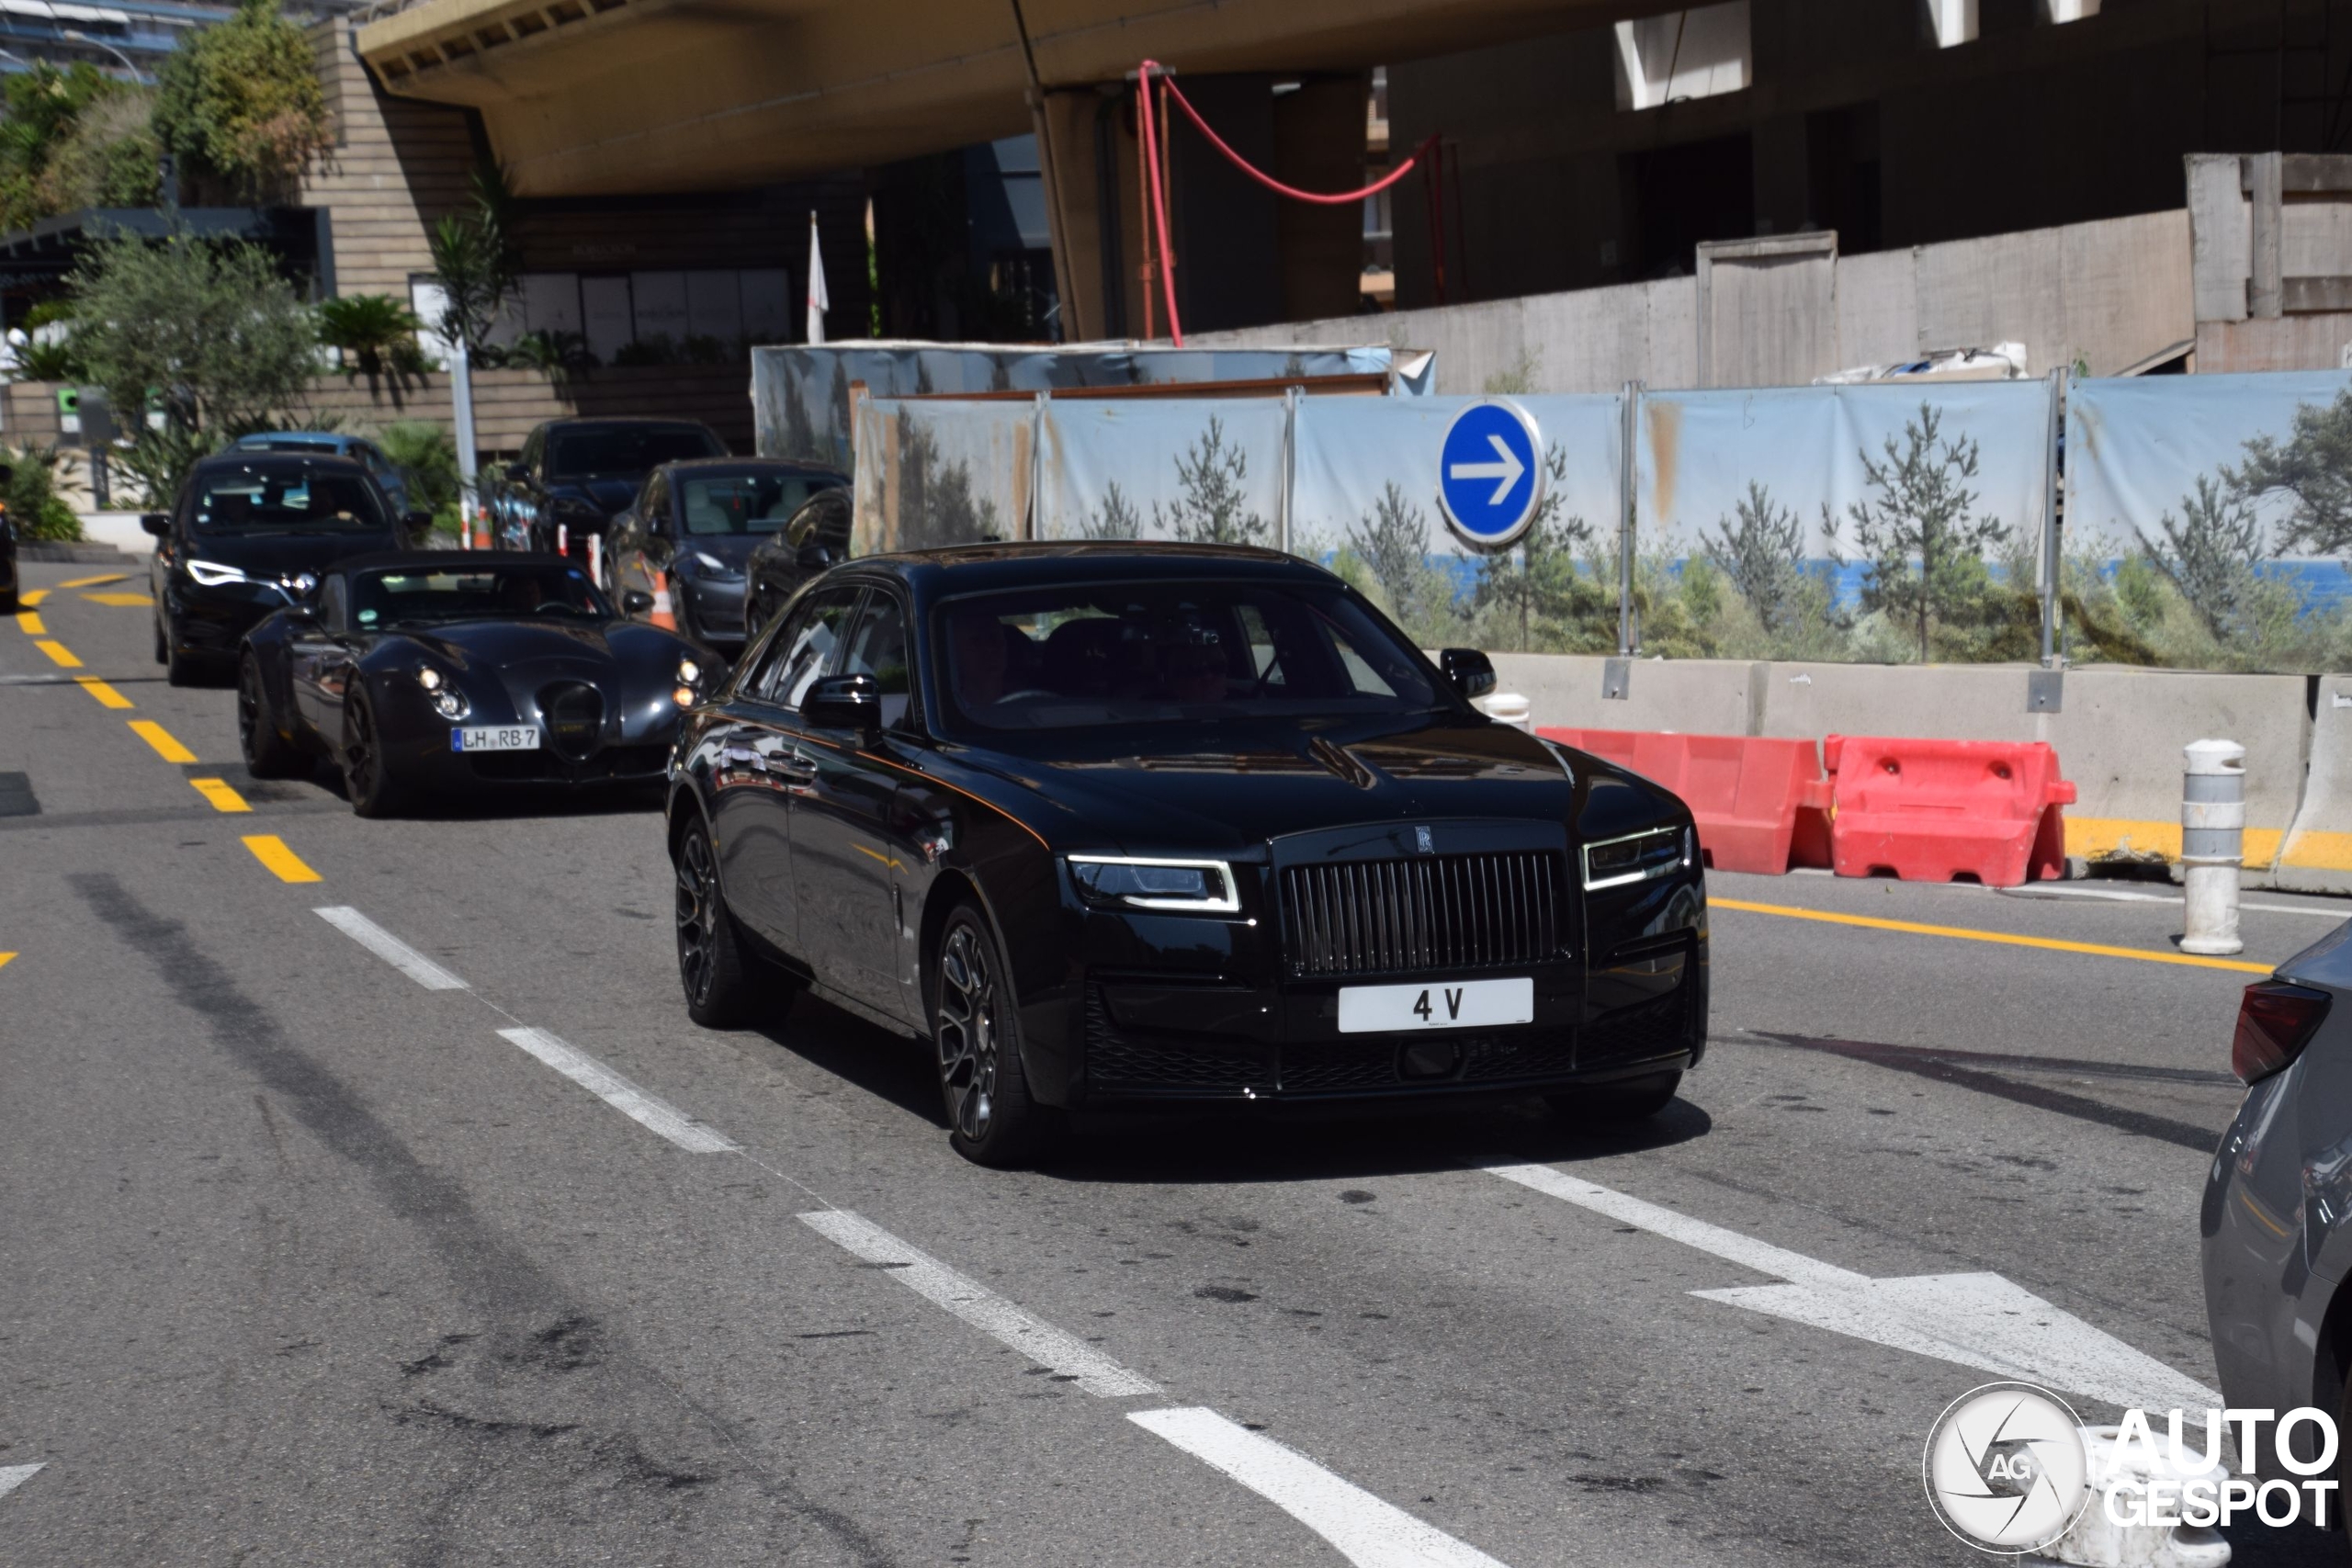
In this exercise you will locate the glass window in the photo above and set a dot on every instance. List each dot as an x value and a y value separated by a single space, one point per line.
626 450
391 597
283 497
805 650
754 501
1108 654
879 649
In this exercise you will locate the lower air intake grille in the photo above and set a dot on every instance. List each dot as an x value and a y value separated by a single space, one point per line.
1453 912
1118 1060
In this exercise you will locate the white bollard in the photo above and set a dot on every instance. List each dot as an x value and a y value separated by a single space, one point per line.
2098 1541
1507 707
2212 844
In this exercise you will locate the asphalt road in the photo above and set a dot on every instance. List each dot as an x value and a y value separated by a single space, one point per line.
302 1259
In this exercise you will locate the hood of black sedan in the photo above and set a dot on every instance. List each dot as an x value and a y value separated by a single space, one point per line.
1244 784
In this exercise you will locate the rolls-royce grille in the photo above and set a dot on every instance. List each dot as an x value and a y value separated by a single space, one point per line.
575 716
1453 912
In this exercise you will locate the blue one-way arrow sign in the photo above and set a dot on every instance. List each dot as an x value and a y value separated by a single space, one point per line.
1490 473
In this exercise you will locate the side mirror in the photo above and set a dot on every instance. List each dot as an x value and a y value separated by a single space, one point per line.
417 523
635 601
814 557
156 523
844 702
1469 672
518 473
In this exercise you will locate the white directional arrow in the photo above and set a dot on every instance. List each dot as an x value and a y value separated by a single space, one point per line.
1974 1320
1505 473
14 1475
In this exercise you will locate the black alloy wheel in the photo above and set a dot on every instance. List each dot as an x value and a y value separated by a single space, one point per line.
268 754
367 772
719 979
1608 1107
990 1118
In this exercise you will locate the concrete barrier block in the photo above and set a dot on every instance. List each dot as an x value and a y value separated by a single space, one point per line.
2318 856
1694 697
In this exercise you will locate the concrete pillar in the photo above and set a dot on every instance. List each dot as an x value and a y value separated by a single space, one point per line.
2265 290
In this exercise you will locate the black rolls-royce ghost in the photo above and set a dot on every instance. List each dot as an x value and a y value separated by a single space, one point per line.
1120 825
450 670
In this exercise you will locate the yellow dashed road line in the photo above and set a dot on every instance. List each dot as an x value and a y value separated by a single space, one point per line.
271 850
4 959
96 582
2009 938
32 597
155 735
119 601
31 624
221 793
59 654
108 697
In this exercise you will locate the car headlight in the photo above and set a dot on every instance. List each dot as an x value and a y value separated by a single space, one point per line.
1637 857
1197 887
710 566
446 700
212 574
689 687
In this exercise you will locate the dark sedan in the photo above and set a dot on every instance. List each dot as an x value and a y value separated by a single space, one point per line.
2277 1210
453 671
686 537
1122 825
250 532
574 474
814 538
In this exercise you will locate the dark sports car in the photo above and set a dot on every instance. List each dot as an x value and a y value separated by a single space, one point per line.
445 671
812 540
1121 825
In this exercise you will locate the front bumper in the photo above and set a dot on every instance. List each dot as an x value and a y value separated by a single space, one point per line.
629 745
214 621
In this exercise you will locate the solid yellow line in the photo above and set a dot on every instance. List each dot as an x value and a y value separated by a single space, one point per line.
96 582
2008 939
32 596
31 624
59 654
155 735
271 850
108 697
222 795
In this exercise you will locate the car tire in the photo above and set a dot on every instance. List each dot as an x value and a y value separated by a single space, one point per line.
723 982
975 1039
268 754
1606 1107
8 600
367 779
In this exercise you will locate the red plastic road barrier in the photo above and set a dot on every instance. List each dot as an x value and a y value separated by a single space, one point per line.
1761 805
1943 810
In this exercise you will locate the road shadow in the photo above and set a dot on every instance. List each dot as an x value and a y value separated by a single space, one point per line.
496 803
893 1068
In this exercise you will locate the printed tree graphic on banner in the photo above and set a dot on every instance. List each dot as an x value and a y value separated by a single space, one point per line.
1117 520
936 503
1393 542
1211 508
1921 531
1761 549
2210 553
2314 468
1536 578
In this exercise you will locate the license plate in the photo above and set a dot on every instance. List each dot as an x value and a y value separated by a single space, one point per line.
495 737
1441 1004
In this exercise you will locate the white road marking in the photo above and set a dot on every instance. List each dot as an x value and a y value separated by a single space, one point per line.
390 948
14 1475
2111 897
1070 1357
619 1093
1368 1531
1973 1320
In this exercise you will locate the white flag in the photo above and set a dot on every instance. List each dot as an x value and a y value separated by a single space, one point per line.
818 303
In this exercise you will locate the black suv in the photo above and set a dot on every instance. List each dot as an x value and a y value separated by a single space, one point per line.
574 474
250 534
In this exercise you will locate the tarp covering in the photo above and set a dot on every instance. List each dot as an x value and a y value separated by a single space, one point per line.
938 472
1195 469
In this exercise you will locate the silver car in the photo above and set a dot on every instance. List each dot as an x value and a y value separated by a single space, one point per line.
2277 1245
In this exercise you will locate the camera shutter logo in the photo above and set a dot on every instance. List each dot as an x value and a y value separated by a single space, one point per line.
2006 1469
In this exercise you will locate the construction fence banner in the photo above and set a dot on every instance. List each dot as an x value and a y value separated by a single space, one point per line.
800 393
1831 460
934 472
1199 469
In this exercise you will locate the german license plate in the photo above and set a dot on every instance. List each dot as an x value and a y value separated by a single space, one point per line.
1440 1004
494 738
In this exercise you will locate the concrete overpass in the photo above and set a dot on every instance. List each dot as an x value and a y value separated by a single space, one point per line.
587 97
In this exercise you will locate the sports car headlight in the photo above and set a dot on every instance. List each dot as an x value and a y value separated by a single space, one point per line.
689 687
446 700
1194 887
212 574
1637 857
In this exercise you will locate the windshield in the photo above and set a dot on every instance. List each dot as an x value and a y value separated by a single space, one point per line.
755 502
1164 652
625 451
286 500
393 597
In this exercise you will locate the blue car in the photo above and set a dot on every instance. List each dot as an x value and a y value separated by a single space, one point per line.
326 442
